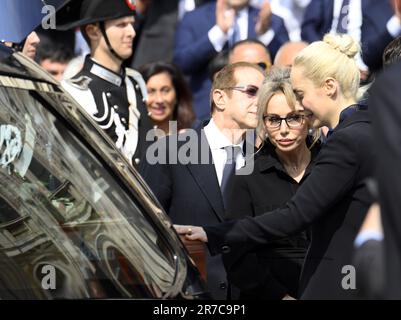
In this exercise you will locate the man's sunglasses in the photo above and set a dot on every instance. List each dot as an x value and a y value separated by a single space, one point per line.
250 91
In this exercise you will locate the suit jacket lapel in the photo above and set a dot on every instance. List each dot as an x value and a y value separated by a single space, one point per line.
206 178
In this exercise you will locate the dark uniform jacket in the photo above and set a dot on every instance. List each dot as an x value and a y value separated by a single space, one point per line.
333 201
117 104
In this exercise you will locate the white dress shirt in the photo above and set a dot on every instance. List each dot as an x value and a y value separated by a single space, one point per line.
217 142
185 6
394 26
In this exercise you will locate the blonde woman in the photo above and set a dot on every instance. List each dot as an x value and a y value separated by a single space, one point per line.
281 166
334 199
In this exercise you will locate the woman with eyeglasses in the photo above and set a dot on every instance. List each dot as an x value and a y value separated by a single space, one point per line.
333 201
169 97
281 165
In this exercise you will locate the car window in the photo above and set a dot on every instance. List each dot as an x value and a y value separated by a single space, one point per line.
67 228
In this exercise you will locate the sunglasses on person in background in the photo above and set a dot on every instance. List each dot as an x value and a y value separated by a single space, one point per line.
293 121
250 91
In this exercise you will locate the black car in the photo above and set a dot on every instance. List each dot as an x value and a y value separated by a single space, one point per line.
76 220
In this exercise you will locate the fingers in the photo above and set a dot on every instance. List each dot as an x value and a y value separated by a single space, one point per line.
197 233
191 232
192 237
264 18
182 229
224 17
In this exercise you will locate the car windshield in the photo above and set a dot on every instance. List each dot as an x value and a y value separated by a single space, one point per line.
68 229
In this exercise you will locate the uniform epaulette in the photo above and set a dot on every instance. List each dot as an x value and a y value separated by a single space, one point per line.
139 80
81 82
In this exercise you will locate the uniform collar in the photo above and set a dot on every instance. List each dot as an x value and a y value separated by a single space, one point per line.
104 73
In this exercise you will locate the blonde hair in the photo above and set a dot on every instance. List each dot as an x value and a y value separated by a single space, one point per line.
277 81
333 57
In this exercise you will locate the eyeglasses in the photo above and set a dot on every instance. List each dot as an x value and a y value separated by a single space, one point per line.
293 121
250 91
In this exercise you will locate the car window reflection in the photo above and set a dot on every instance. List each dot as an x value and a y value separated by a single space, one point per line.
62 208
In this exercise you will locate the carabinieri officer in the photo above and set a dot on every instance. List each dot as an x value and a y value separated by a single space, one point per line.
114 96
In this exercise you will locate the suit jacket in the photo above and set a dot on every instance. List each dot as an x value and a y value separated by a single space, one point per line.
333 201
156 40
384 105
374 35
191 195
193 51
317 21
369 266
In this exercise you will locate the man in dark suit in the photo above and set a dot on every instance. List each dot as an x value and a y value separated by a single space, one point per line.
381 26
156 39
193 193
317 21
386 114
209 29
324 16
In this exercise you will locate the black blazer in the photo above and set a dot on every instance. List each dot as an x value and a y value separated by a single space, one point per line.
369 266
384 104
191 195
333 201
274 270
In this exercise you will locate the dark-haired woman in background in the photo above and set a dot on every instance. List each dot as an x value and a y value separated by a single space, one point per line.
169 97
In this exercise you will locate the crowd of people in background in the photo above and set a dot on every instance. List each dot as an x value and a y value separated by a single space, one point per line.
296 72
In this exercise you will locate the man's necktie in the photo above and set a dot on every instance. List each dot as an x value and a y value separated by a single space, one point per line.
342 25
235 36
229 171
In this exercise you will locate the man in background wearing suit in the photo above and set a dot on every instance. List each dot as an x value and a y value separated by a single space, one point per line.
365 20
380 35
156 39
194 193
213 27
